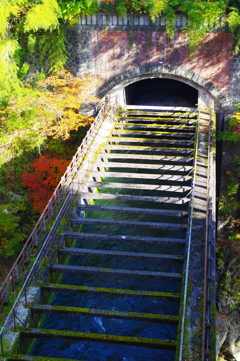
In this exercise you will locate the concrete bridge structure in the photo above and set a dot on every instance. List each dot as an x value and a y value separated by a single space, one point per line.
154 138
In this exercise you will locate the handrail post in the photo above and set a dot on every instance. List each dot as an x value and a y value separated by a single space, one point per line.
2 350
13 288
2 302
14 319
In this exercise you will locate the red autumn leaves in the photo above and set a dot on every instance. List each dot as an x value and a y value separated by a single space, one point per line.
43 180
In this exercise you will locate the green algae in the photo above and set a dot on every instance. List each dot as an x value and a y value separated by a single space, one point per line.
66 310
126 340
120 292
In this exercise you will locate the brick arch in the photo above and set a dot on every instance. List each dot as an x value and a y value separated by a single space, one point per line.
164 71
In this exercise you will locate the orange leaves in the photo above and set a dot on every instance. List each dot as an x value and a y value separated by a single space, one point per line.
108 1
44 179
51 109
61 99
236 125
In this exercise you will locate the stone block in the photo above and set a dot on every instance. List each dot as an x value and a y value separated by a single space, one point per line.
114 20
141 20
136 20
89 20
162 21
83 20
104 19
209 86
120 20
94 19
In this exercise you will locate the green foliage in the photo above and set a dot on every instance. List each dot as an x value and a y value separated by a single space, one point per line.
121 8
52 47
71 10
202 15
10 237
234 21
156 8
44 16
233 134
228 202
57 146
28 26
8 69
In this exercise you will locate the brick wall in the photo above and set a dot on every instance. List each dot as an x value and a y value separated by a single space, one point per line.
109 50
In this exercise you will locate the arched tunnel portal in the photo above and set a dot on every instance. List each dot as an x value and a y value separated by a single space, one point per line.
161 92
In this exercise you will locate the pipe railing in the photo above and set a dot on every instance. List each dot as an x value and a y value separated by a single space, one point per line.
208 354
188 251
62 197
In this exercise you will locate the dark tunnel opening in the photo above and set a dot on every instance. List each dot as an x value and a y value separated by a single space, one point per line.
161 92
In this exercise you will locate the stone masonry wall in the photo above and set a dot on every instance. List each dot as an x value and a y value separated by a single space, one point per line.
108 50
234 82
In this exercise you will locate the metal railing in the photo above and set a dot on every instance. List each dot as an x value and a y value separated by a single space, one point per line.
61 198
208 353
188 253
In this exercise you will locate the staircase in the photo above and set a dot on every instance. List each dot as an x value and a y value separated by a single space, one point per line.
116 289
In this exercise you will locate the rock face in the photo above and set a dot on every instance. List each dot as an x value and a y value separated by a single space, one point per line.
228 336
228 306
228 288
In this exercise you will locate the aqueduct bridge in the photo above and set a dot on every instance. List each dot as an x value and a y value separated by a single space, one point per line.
125 264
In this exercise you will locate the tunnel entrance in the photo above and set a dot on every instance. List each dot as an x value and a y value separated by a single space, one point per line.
161 92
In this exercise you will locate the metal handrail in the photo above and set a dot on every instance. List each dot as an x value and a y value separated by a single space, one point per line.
65 187
188 252
207 353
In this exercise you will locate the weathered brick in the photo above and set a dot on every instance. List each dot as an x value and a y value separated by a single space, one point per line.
111 53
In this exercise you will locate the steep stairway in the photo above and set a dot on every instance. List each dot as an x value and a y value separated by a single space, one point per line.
115 292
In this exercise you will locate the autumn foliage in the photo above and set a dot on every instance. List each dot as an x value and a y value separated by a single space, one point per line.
60 100
44 179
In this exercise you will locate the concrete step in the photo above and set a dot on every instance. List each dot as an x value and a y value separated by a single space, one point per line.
109 291
162 178
67 251
78 336
109 222
175 121
160 110
125 210
123 197
156 127
148 187
111 271
159 142
173 169
120 238
77 311
153 135
135 149
148 157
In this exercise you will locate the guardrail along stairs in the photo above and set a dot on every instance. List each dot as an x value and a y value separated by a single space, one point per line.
117 288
